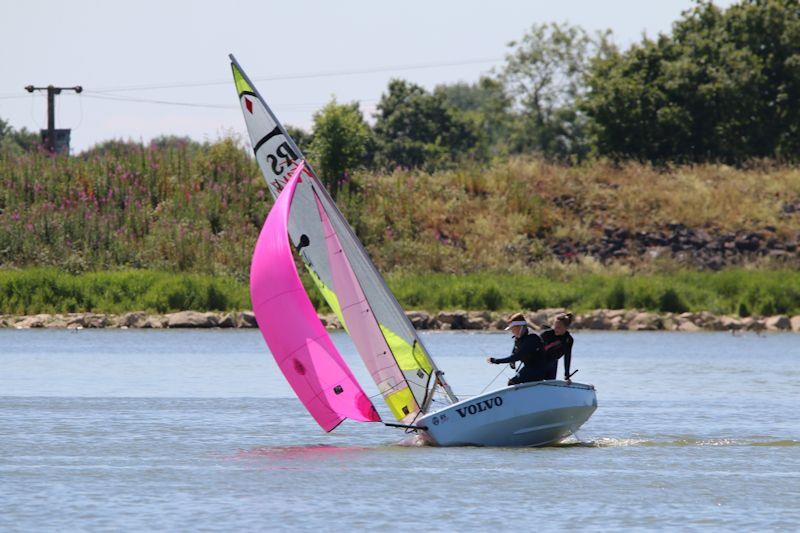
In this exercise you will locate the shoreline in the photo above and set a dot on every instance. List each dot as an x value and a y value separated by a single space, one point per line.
599 319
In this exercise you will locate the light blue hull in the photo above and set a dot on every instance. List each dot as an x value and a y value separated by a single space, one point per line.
531 414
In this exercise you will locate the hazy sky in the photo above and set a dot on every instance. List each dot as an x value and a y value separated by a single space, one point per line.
107 46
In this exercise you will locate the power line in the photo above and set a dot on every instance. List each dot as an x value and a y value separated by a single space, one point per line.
102 93
162 102
308 75
283 77
203 105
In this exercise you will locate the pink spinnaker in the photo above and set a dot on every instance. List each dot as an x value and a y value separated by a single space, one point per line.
290 326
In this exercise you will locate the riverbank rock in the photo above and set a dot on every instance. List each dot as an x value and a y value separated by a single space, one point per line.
246 319
599 319
419 319
451 319
592 320
477 320
500 323
685 324
192 319
645 322
35 321
227 320
730 323
331 321
543 317
777 323
753 324
154 322
88 320
135 319
56 322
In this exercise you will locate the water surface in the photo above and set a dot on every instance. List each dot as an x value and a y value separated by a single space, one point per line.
166 430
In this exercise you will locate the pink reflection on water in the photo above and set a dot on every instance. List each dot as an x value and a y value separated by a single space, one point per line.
299 457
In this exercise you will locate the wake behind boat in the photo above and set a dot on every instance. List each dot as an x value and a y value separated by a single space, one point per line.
305 216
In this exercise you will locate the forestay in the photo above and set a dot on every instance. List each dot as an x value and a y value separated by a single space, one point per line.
340 267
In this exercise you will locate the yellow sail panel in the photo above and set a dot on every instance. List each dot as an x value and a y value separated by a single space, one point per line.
401 403
407 357
329 295
241 83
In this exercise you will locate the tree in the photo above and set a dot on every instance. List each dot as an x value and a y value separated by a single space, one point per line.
301 137
415 128
545 74
724 86
176 142
488 106
14 141
339 144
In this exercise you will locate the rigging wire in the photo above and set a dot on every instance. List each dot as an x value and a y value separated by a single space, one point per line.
493 380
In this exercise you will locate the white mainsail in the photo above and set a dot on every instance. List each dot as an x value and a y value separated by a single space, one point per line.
384 337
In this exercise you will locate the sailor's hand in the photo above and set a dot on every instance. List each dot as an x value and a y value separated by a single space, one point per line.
513 364
490 360
569 381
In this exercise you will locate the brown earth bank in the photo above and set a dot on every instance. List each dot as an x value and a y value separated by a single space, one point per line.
600 319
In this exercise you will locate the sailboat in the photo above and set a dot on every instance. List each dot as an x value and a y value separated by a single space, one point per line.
304 217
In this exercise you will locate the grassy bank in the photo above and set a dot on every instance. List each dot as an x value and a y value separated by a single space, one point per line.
736 292
39 290
185 209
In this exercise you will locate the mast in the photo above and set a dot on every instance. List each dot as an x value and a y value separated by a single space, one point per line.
276 152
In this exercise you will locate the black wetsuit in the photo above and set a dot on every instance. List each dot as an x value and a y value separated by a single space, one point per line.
555 347
528 349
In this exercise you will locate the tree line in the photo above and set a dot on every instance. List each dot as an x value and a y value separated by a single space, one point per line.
722 86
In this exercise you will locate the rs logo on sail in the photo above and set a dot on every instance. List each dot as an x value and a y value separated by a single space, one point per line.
480 407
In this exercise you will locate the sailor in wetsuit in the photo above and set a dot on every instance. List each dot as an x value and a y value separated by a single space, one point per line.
528 349
557 343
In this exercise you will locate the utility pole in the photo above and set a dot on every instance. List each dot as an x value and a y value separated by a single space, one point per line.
49 135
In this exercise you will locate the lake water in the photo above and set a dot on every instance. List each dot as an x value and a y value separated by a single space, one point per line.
197 430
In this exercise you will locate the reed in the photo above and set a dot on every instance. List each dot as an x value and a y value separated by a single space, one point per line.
735 291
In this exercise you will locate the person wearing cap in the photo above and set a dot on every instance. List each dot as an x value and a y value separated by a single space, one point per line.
557 343
528 349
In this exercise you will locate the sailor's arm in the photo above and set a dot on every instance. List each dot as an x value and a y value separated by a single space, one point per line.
515 356
567 359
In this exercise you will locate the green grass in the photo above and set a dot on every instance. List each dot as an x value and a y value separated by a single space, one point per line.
735 291
47 290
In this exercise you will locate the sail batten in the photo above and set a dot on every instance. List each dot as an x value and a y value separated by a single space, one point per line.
340 266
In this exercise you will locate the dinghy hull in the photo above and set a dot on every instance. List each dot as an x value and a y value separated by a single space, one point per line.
531 414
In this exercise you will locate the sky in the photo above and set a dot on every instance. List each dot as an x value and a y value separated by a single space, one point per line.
300 54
